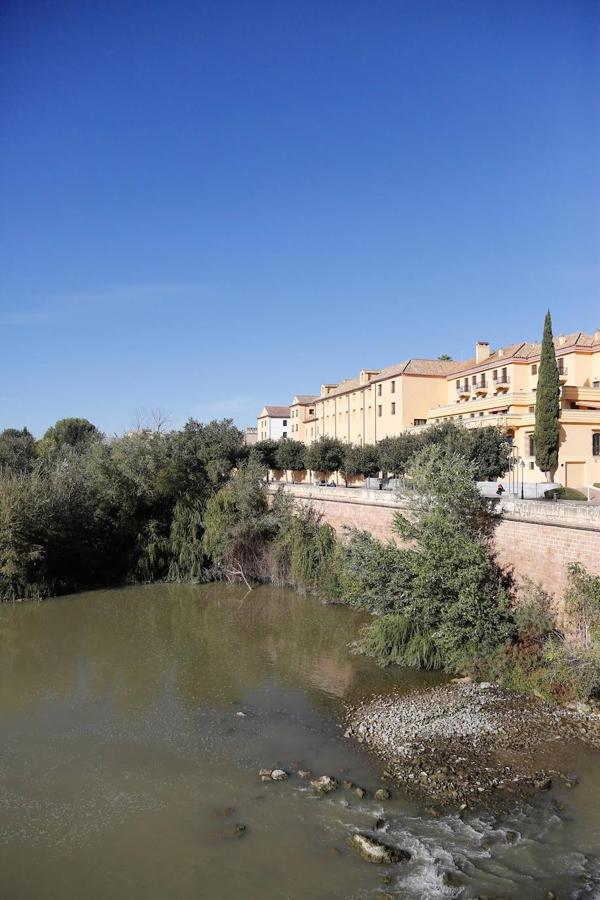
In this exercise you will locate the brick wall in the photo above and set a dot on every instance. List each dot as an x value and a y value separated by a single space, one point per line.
532 538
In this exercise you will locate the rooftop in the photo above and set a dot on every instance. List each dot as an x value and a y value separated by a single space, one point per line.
526 350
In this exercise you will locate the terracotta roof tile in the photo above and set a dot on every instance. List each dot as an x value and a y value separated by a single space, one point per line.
277 412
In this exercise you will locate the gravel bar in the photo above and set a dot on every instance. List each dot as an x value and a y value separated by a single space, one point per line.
470 745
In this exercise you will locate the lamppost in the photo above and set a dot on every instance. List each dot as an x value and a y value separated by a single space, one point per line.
522 479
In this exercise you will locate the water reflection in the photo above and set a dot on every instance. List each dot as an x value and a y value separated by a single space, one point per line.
119 739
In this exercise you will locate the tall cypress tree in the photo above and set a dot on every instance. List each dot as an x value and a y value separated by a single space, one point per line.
546 435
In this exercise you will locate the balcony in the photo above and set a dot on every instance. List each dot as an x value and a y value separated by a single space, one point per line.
501 382
463 390
562 374
481 388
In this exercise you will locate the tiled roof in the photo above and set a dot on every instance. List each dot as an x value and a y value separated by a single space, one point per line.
439 367
304 399
276 412
431 367
530 350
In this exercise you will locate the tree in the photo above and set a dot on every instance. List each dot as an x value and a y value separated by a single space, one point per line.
455 603
351 463
395 453
75 433
546 434
17 450
218 445
264 453
486 448
290 456
368 460
239 527
444 357
325 455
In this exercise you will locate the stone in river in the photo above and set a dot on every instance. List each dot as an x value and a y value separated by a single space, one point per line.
279 775
374 851
325 784
382 794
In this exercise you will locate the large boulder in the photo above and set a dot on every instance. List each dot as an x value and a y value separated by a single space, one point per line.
374 851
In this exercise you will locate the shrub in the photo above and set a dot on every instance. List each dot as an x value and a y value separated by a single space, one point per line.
373 575
401 639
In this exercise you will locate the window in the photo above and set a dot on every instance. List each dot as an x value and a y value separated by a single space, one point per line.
393 409
419 421
285 434
311 412
379 410
393 387
495 375
532 409
285 423
532 465
534 369
596 443
473 379
531 444
561 366
379 390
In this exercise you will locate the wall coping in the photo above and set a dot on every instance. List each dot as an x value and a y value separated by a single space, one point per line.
560 514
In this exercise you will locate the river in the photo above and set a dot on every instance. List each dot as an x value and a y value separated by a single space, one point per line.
125 764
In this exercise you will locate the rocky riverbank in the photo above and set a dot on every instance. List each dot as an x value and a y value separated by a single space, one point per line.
468 745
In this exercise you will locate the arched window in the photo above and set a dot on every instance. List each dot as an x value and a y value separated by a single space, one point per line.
596 443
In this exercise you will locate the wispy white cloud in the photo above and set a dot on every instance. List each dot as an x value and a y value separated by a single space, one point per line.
53 305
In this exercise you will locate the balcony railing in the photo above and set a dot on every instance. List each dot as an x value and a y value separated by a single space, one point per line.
501 381
562 373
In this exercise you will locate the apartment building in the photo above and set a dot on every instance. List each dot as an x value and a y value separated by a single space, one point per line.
273 423
302 412
499 387
378 403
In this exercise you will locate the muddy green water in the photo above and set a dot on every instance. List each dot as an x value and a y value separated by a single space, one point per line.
121 747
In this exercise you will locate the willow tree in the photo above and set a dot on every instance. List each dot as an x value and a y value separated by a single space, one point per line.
546 435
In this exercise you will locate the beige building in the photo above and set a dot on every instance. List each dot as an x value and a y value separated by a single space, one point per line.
498 388
492 388
302 413
379 402
273 423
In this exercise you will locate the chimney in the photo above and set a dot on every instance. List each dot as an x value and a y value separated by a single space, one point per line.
327 389
482 351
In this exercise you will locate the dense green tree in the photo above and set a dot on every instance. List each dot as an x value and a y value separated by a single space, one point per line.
546 433
395 452
218 446
326 456
456 603
264 453
351 463
290 456
486 448
17 449
368 460
75 433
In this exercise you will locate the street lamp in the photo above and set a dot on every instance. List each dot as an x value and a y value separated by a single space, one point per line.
522 478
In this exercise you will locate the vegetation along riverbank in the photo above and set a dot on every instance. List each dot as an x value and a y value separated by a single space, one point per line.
79 511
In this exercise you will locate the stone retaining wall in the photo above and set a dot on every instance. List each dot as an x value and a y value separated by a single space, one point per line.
532 538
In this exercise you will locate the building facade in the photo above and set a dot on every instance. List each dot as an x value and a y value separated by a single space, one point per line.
499 387
494 387
273 423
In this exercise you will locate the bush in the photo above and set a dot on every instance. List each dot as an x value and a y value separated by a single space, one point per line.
399 638
564 493
373 575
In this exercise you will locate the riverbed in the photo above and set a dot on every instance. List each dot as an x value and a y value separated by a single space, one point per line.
133 725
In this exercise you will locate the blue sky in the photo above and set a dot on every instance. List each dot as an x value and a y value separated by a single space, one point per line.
206 206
